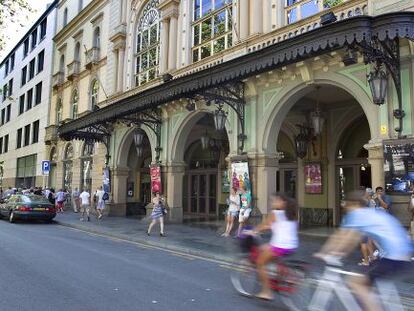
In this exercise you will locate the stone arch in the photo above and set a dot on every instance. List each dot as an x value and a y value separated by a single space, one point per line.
127 138
285 100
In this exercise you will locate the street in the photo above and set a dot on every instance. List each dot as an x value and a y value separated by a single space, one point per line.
49 267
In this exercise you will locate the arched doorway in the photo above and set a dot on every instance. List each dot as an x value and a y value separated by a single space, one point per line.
205 183
68 167
86 162
52 174
286 176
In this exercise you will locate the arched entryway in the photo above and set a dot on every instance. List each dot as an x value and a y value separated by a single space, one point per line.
68 167
86 164
53 158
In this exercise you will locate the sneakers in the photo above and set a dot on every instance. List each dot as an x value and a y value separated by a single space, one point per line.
100 216
363 263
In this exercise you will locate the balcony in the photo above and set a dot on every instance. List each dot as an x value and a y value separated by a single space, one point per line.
92 57
73 70
58 79
51 134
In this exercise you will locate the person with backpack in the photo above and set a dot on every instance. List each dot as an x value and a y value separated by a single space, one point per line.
100 202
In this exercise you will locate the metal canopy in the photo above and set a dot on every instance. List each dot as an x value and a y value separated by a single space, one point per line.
350 32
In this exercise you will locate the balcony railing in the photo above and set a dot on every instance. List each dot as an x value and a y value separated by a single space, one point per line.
92 57
73 70
58 79
51 134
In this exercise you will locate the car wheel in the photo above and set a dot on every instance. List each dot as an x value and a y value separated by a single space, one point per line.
12 217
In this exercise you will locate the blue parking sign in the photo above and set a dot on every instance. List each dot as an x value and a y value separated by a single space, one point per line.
45 167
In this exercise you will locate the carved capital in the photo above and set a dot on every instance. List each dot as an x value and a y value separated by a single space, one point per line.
169 8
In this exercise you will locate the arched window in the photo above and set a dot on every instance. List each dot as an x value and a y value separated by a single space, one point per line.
77 52
86 165
94 93
97 38
65 17
212 27
148 44
69 152
75 101
59 111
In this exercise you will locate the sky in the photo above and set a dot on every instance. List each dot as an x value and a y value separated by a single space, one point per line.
16 32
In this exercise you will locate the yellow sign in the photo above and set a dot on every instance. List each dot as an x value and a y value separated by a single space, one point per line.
384 129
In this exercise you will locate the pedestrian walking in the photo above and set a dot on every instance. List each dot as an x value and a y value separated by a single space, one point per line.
60 200
245 208
75 200
85 198
100 202
157 214
51 196
233 211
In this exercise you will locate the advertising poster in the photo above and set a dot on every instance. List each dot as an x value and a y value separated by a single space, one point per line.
155 172
240 176
106 184
313 178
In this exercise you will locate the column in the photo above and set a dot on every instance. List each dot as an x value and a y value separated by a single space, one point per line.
115 79
244 19
376 160
280 13
267 16
124 11
120 70
256 23
119 182
172 43
174 177
165 25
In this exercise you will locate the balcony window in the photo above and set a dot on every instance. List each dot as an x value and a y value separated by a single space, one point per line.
211 28
75 100
148 44
300 9
59 111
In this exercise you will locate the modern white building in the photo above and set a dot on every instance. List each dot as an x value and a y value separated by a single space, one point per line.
25 81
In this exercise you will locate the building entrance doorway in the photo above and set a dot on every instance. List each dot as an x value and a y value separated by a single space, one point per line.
201 193
286 181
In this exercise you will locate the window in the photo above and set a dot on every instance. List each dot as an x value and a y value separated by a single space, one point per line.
3 116
97 38
5 92
35 136
300 9
25 47
65 17
26 171
6 68
148 44
38 98
10 88
77 52
94 94
24 75
12 59
43 27
59 111
21 104
68 167
34 38
40 61
6 143
62 64
1 145
32 68
29 103
75 100
80 5
19 138
27 134
8 113
212 28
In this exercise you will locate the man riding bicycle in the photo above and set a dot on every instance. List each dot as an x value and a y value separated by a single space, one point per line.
381 227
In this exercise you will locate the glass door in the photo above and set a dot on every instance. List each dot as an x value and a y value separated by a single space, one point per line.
200 191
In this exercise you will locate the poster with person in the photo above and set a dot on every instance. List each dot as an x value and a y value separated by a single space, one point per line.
313 178
155 172
106 184
240 176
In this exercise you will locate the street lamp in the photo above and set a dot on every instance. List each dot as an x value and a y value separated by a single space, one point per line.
138 139
378 81
205 140
89 148
220 117
317 121
302 141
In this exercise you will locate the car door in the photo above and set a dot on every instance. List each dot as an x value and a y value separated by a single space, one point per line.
6 206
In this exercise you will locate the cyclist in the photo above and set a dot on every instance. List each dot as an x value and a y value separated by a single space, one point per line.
381 227
282 220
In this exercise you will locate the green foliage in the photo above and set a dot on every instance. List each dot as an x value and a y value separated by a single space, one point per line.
12 12
331 3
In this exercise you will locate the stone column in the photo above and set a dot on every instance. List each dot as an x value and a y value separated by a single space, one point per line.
300 184
280 13
165 28
120 70
267 16
256 23
376 160
124 11
244 19
174 190
119 177
172 43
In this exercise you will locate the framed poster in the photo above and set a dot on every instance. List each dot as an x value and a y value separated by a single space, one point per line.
106 180
240 176
155 171
313 178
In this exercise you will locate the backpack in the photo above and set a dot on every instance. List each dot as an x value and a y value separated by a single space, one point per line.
105 196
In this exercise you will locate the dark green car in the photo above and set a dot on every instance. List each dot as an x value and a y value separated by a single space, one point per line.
30 206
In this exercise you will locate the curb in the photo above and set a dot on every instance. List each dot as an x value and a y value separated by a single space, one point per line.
156 245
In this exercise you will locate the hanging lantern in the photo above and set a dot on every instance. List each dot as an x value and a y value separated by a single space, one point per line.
138 137
317 122
378 81
220 118
89 146
302 142
215 151
140 151
205 140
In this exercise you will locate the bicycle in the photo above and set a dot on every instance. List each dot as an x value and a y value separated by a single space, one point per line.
286 275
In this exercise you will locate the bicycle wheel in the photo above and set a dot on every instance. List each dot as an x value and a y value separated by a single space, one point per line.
244 278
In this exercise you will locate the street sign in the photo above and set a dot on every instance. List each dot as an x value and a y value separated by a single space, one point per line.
45 167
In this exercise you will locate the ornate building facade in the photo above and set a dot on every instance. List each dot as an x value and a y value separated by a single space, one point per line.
288 78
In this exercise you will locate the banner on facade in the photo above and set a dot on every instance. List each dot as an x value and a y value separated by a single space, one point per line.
155 171
399 165
240 177
106 180
313 178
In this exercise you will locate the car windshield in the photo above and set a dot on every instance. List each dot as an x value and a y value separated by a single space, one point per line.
33 198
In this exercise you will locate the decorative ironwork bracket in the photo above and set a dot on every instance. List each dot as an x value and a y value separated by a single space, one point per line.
386 53
231 94
151 119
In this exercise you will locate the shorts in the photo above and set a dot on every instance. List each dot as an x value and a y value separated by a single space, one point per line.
60 204
280 252
386 268
100 205
232 213
84 207
244 214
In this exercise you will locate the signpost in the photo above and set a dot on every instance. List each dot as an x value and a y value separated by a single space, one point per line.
45 167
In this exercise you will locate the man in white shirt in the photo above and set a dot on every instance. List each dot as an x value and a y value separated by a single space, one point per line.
75 200
85 204
100 203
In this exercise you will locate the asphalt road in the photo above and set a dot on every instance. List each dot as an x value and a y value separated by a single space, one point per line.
50 267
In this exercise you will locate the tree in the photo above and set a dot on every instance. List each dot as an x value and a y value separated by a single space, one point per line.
11 12
331 3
